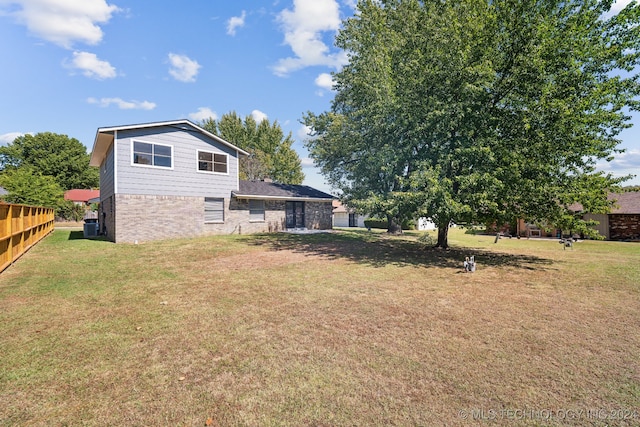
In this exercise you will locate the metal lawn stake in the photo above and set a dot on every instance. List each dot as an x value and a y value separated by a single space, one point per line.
470 264
566 243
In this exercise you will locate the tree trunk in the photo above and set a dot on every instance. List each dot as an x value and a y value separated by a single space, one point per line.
392 226
443 236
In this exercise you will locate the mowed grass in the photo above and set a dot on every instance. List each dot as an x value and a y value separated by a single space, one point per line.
349 328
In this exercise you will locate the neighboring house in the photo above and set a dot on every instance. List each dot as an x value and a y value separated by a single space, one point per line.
425 224
344 216
82 197
623 222
175 179
3 192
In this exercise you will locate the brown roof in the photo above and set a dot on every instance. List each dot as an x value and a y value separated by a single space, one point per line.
338 207
626 203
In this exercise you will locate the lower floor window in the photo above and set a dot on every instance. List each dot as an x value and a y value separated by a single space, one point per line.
256 210
213 210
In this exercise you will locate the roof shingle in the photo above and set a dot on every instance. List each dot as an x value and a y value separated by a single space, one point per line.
272 190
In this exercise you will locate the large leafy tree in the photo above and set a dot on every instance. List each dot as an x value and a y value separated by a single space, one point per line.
28 186
271 153
479 110
63 158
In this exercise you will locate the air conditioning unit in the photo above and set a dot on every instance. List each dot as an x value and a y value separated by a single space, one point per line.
90 229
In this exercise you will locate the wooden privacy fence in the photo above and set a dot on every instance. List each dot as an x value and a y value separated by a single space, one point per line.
21 227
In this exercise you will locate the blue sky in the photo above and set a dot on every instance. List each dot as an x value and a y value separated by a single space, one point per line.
72 66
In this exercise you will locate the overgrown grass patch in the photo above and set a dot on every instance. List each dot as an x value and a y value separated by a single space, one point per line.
348 328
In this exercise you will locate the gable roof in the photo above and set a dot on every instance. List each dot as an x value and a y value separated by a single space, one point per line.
274 191
104 137
80 195
626 203
339 207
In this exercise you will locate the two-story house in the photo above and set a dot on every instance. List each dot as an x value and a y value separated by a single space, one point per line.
175 179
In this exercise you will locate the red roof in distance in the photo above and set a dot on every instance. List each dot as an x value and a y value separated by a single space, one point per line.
78 195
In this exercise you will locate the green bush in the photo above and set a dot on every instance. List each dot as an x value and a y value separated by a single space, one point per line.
375 223
69 211
382 223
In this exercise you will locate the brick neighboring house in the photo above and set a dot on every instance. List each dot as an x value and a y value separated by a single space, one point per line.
623 222
175 179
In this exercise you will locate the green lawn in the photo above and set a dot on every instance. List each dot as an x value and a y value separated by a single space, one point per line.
349 328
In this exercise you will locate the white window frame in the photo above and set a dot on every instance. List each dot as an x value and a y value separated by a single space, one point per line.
255 211
213 154
205 209
133 163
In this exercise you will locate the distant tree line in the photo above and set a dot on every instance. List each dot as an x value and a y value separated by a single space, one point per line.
38 169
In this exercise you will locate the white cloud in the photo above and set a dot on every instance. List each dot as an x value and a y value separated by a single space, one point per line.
303 27
235 22
630 159
183 68
351 3
258 116
325 81
122 104
8 138
627 163
618 5
303 132
203 114
307 162
91 66
63 22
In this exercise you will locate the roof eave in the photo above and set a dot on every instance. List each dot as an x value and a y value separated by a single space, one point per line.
261 197
100 147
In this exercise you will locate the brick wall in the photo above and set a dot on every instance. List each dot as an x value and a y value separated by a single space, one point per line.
131 218
144 218
317 215
624 227
106 218
236 219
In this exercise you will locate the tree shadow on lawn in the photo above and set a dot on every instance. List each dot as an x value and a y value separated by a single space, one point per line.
380 250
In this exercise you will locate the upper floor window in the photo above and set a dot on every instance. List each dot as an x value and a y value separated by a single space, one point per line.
148 154
212 162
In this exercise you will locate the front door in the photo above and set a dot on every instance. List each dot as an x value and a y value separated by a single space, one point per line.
295 215
353 220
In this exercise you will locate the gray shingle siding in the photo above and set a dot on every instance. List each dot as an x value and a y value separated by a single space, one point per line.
183 179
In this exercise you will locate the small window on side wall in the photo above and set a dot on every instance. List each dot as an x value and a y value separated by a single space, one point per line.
256 210
213 210
212 162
